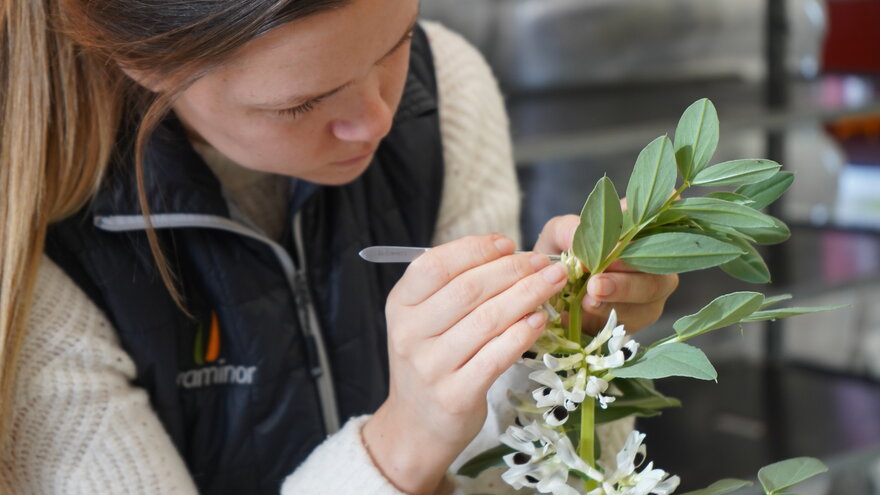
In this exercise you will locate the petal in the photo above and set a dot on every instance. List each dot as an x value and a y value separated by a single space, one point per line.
596 386
548 378
618 335
563 363
668 486
556 416
627 455
566 453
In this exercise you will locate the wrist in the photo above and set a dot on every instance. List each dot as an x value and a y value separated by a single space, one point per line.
410 457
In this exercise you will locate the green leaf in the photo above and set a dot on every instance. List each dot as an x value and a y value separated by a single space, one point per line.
765 192
732 197
749 267
770 301
674 359
736 173
696 138
614 413
721 487
773 314
768 235
722 212
784 474
677 252
638 397
652 180
485 460
722 232
723 311
601 221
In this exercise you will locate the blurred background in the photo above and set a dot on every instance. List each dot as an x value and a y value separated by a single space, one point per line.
590 82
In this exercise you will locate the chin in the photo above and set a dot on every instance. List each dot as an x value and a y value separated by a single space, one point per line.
340 175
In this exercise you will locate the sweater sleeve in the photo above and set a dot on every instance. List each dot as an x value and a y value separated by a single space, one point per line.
480 190
77 423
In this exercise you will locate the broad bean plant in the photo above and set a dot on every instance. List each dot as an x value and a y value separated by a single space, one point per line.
579 381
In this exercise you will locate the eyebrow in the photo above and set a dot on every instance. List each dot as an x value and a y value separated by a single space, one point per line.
298 100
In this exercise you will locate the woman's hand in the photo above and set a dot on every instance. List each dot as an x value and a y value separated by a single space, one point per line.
461 315
637 297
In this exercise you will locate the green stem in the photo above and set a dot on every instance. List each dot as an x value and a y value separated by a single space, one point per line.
587 444
575 314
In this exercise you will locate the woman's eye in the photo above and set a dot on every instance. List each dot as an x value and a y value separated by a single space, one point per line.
300 109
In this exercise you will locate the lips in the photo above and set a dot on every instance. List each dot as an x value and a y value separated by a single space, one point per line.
357 159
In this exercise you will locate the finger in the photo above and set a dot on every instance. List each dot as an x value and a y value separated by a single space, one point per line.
474 287
633 288
633 316
439 265
501 312
557 234
500 353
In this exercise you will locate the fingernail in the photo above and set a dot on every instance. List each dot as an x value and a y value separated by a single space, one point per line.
554 273
537 319
504 245
600 286
539 261
591 303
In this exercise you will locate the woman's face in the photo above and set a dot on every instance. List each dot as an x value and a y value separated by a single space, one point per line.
311 99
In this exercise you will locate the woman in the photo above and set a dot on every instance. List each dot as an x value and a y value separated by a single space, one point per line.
185 188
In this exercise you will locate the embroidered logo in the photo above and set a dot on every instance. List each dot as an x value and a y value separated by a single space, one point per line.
206 351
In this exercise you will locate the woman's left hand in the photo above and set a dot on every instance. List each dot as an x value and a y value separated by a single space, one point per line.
637 297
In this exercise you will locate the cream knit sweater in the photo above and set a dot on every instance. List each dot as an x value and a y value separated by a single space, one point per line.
80 426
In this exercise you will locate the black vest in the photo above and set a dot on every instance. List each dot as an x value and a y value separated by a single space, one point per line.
238 387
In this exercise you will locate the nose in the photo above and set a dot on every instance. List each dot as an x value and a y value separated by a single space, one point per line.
369 119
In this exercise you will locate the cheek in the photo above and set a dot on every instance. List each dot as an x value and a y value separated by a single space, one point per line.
276 145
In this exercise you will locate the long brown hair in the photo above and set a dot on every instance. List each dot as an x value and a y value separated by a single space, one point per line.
60 107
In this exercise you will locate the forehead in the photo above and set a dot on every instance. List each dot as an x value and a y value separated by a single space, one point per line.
315 54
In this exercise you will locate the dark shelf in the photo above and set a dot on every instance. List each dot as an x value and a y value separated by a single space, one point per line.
758 414
603 121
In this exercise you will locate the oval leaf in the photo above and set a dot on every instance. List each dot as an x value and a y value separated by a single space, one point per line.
784 474
652 180
666 360
770 301
779 232
721 487
678 252
723 311
773 314
749 267
696 138
765 192
736 173
601 221
723 212
732 197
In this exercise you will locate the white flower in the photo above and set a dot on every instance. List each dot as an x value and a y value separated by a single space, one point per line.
549 467
595 388
573 266
604 335
625 480
560 395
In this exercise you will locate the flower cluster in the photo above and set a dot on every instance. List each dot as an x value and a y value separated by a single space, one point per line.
545 460
567 374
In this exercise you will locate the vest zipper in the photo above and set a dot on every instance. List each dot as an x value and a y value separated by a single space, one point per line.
296 279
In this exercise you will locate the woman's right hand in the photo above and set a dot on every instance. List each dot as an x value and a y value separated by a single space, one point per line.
460 316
